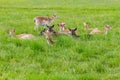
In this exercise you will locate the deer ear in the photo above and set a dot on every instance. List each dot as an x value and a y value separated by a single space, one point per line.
75 29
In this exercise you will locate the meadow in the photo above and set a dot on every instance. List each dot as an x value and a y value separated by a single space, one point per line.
83 58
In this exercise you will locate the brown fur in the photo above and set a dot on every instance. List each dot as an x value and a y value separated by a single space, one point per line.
69 31
63 29
43 21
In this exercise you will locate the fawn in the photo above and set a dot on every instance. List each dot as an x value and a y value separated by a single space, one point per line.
43 21
20 36
97 31
63 29
52 31
73 32
48 36
68 31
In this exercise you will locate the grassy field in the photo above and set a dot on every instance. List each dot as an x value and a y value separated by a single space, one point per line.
94 58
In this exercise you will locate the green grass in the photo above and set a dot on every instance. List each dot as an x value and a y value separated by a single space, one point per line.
94 58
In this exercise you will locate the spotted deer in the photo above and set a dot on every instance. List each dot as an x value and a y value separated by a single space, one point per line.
43 21
20 36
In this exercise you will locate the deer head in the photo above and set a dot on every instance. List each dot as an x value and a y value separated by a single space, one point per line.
51 30
107 28
73 32
61 26
86 25
11 32
54 16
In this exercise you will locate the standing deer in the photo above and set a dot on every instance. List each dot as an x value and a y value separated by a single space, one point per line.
20 36
97 31
43 21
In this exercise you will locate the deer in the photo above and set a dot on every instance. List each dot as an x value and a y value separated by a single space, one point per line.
73 32
68 31
97 31
63 29
86 26
43 21
48 36
52 31
20 36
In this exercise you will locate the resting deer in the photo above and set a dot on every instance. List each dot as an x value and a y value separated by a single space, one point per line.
73 32
63 29
97 31
48 36
52 31
43 21
86 26
67 31
20 36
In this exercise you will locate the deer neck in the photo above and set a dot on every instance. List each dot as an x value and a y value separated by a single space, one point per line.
86 27
105 31
62 28
52 19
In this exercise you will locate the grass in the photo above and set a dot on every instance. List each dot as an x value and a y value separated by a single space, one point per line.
94 58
